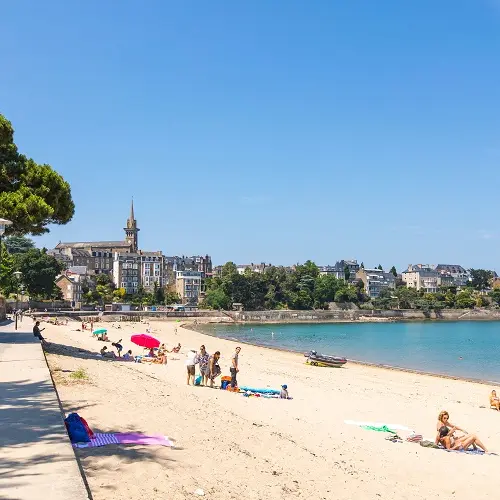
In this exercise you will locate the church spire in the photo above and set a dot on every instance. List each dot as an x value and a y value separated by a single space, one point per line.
131 230
132 210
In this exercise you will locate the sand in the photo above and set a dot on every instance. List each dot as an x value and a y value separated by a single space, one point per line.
233 447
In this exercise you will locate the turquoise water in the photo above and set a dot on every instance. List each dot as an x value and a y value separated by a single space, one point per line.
463 349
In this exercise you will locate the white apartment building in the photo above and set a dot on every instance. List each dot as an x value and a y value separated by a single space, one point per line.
142 269
421 277
188 286
376 280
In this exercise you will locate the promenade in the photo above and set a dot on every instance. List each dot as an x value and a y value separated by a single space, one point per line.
36 457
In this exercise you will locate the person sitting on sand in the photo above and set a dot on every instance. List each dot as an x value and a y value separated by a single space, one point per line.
107 354
177 349
494 401
128 356
213 367
284 392
445 435
151 353
161 355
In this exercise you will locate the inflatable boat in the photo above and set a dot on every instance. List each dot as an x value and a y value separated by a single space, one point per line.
315 359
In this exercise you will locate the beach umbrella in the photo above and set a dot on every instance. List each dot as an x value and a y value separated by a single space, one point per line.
100 331
143 340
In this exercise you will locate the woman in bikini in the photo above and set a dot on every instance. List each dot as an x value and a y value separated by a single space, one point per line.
445 435
494 401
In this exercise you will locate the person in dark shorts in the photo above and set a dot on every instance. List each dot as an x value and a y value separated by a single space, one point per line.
190 364
234 367
118 347
213 367
38 333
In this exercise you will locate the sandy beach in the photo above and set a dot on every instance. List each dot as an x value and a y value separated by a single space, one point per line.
233 447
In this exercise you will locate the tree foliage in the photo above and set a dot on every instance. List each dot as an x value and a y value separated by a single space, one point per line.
18 244
31 195
481 278
39 271
278 288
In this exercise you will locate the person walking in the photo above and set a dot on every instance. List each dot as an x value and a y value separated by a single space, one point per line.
234 367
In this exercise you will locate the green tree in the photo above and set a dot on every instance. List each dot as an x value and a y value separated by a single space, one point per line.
362 266
380 267
119 294
465 300
394 271
216 299
495 296
172 298
31 195
159 294
7 280
39 272
347 273
481 278
18 244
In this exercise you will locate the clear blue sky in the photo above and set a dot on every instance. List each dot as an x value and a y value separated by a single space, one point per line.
269 131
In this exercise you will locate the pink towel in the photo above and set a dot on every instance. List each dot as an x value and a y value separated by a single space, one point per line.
136 438
132 438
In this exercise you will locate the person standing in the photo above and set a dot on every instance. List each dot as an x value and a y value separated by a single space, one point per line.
38 333
213 367
202 359
190 365
234 367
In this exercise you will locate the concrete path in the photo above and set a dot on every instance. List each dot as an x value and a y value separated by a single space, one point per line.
36 457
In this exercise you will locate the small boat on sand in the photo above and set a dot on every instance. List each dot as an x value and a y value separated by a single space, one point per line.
315 359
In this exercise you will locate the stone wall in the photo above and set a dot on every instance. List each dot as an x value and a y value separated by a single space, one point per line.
285 316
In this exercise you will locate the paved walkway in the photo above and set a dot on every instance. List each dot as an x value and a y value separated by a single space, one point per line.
36 458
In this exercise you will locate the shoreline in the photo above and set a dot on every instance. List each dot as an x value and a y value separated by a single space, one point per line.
358 362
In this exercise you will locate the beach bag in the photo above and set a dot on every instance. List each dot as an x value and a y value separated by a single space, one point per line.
90 433
197 381
76 430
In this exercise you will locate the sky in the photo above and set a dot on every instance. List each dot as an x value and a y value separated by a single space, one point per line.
274 131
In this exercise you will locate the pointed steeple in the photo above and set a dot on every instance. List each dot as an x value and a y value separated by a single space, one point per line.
131 230
132 210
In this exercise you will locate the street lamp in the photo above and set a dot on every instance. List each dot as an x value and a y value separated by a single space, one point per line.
4 224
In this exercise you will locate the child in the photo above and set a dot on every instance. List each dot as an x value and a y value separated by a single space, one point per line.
284 392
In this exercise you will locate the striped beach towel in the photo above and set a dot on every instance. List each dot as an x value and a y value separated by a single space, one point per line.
414 438
104 439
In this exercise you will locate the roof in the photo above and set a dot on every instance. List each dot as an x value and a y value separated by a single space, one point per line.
94 244
452 268
78 269
77 252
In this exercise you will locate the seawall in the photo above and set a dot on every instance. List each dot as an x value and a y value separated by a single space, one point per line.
285 316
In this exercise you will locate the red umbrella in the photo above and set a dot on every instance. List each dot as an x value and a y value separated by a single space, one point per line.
143 340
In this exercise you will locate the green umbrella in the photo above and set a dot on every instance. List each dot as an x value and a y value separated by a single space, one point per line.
100 331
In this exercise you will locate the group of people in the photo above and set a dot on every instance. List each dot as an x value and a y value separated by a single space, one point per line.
447 435
209 366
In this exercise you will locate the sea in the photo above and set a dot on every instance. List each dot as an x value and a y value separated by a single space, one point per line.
465 349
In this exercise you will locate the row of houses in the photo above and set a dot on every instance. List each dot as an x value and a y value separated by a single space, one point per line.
129 267
428 277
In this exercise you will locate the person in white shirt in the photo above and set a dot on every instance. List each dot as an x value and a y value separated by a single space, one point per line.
190 364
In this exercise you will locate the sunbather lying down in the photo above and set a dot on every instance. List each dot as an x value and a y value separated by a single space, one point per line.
447 438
